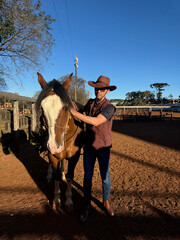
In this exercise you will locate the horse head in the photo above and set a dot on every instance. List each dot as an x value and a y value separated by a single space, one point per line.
55 104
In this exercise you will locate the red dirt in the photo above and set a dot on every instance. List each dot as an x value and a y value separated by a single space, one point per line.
145 171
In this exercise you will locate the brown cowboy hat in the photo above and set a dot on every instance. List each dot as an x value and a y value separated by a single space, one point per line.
102 82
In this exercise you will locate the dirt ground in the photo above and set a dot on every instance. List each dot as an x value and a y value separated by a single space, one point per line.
145 190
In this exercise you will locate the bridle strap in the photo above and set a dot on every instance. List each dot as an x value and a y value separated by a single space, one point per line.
65 129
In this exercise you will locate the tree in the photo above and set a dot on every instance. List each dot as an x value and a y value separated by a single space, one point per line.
2 81
82 94
139 97
159 87
25 38
170 96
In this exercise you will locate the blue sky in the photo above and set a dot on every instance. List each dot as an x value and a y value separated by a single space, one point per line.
133 42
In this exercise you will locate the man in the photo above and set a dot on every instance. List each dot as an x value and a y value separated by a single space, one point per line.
99 114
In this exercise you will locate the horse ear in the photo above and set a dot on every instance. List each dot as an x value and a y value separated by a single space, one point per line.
68 82
41 80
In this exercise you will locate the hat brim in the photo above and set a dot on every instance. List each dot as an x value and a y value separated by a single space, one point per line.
100 85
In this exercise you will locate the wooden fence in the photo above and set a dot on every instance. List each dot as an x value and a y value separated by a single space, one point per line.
138 113
16 121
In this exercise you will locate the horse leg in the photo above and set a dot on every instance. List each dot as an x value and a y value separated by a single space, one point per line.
57 190
69 202
69 176
63 176
50 173
57 195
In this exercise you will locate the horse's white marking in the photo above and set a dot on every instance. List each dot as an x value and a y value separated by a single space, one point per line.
52 105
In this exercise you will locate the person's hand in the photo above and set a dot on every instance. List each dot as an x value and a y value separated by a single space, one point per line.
73 111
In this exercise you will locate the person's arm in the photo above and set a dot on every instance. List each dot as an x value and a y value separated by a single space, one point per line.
95 121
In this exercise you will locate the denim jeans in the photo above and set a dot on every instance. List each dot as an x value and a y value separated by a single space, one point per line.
103 156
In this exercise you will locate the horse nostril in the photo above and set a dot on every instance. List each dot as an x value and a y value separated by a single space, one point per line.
58 145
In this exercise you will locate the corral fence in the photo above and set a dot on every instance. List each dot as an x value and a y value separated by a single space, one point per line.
142 113
17 119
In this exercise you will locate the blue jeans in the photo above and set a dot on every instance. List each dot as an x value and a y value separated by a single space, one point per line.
103 156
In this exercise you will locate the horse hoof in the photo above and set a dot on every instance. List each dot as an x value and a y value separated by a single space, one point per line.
56 206
63 177
69 208
53 206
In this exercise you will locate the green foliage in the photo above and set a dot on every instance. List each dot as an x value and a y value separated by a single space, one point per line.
6 28
2 83
136 98
170 96
2 80
25 37
159 87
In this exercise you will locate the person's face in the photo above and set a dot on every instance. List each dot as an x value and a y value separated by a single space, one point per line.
100 93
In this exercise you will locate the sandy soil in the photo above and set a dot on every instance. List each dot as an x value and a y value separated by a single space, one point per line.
145 174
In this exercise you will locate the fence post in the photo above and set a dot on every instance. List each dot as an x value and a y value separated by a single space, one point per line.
171 113
150 111
16 125
33 127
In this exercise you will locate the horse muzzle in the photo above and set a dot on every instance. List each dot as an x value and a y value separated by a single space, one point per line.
53 148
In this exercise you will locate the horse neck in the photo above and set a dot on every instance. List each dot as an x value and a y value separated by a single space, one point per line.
71 125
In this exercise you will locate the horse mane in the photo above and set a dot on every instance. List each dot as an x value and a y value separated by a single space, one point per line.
59 90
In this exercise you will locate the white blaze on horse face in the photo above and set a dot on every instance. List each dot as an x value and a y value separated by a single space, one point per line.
52 105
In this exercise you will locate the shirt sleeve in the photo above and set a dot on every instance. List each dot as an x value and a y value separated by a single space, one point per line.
108 112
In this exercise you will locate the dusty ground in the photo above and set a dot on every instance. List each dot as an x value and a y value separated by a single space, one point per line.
145 174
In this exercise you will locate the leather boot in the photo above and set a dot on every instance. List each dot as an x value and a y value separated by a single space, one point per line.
108 208
85 214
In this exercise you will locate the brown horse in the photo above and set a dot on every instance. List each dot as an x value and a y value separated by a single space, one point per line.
64 133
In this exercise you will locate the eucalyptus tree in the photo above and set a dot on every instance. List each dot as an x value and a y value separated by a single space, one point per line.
25 35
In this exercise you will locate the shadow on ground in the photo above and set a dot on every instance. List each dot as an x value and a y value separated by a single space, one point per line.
48 224
165 133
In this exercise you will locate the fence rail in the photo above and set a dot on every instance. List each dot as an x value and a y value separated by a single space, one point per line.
15 122
136 113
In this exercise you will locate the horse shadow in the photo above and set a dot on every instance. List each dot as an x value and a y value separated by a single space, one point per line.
36 165
28 155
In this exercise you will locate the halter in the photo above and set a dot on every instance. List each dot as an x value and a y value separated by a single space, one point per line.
62 127
65 129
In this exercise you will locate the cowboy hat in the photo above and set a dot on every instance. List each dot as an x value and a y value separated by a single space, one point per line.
102 82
